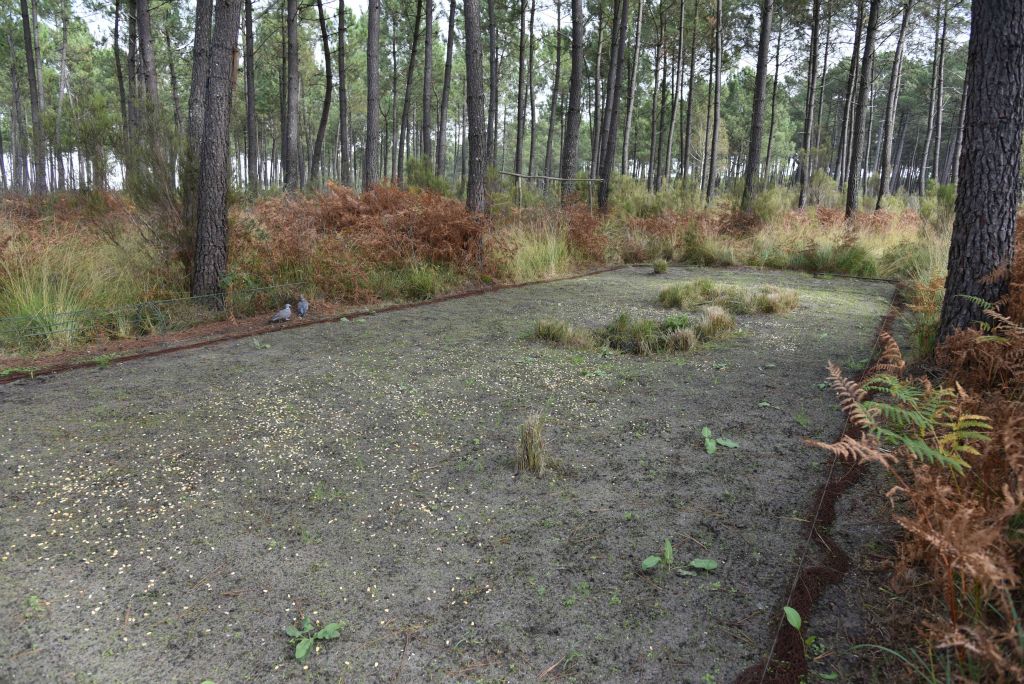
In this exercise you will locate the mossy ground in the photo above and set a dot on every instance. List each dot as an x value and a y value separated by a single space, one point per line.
171 516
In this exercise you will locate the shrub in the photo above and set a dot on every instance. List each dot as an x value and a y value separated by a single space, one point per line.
420 174
533 253
693 294
772 204
532 456
660 266
563 334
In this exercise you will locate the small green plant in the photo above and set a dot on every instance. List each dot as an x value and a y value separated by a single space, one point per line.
532 455
103 360
792 617
706 564
711 443
306 633
667 557
660 266
258 344
29 370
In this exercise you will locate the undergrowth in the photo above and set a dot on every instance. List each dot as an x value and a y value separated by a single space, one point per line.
766 299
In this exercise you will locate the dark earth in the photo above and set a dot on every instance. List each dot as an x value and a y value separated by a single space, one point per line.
164 520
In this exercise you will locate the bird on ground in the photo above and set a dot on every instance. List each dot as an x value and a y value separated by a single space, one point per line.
302 306
282 316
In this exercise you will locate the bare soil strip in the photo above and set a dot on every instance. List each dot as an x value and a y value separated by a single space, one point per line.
165 519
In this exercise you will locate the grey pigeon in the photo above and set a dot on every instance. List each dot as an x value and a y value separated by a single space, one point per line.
302 306
282 316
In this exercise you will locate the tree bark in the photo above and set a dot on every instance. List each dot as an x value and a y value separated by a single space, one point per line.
757 117
677 89
144 23
689 97
344 144
718 101
775 94
940 83
492 103
38 139
533 99
403 133
118 71
631 93
252 175
857 144
555 84
931 106
61 88
652 161
851 95
812 84
611 111
475 198
370 149
891 102
442 112
325 111
19 151
426 145
986 203
959 142
570 138
211 261
292 161
517 164
196 110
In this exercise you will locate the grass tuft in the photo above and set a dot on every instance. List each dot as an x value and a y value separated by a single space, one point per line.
714 323
694 294
660 266
562 334
532 456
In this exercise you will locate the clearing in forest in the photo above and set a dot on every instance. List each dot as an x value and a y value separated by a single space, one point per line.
168 518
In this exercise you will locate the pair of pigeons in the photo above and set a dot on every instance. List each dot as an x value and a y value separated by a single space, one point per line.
285 314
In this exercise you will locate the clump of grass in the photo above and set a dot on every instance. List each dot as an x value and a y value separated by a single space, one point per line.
636 336
532 456
694 294
535 254
416 281
660 265
563 334
714 323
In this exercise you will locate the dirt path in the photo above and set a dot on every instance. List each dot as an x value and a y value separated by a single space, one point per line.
165 519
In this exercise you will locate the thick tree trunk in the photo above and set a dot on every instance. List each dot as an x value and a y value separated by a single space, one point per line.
571 136
757 117
891 102
252 175
211 259
196 110
857 143
475 198
148 61
631 94
989 190
370 149
555 84
19 152
442 112
610 125
38 136
325 111
427 122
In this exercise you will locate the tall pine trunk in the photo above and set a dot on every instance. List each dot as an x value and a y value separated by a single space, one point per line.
35 106
610 125
211 260
404 128
857 144
891 102
677 89
325 111
631 94
344 144
475 198
718 102
757 117
371 172
492 102
252 175
442 112
571 136
812 84
689 96
555 84
427 122
990 166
